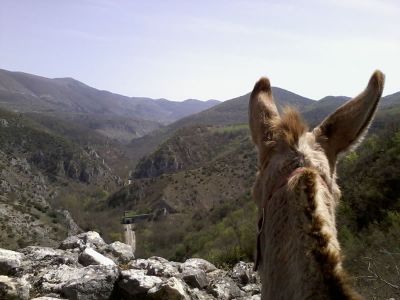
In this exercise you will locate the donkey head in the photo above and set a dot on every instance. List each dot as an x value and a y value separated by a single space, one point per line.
284 142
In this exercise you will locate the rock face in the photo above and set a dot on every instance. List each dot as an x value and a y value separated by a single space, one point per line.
85 267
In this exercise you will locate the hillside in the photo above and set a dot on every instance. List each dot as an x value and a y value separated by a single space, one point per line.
233 111
37 170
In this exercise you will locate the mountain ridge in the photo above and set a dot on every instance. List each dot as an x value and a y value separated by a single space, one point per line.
24 92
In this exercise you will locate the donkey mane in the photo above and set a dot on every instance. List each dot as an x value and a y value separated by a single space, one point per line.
328 256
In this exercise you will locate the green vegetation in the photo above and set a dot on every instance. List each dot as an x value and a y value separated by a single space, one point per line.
369 215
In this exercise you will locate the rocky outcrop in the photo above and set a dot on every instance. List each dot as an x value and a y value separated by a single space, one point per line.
85 267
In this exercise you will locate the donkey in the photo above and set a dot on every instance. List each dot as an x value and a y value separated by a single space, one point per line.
298 253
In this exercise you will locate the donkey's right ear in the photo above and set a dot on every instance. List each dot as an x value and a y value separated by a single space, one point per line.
262 112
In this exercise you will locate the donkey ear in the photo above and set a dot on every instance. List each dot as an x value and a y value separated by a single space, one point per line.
262 112
349 123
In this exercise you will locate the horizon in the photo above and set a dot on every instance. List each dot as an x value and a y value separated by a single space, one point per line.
205 51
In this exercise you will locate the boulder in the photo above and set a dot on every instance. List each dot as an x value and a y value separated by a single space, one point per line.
195 278
92 239
10 261
13 288
72 242
225 288
243 273
96 282
89 239
172 289
198 263
38 261
139 264
123 252
135 283
78 283
159 266
92 257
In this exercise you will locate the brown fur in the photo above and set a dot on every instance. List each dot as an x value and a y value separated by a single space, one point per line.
289 127
300 255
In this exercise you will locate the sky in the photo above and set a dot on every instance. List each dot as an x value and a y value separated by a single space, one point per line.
213 49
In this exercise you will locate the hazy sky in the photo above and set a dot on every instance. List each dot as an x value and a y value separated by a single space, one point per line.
204 49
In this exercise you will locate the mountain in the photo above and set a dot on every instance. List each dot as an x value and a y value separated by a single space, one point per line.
24 92
113 115
233 111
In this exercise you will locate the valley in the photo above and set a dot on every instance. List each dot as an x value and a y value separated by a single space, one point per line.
67 147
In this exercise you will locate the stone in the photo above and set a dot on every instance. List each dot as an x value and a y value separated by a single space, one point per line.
139 264
92 238
13 288
225 288
172 289
198 263
40 260
159 266
72 242
252 288
95 283
195 278
74 282
243 273
123 252
136 283
92 257
196 294
10 261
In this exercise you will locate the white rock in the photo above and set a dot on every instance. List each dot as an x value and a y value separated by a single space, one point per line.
243 273
92 238
252 288
40 260
136 283
95 283
9 261
195 278
159 266
140 264
198 263
13 288
173 289
92 282
122 251
225 288
92 257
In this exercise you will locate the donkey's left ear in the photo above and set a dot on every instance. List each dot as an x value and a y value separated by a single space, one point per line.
262 113
349 123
